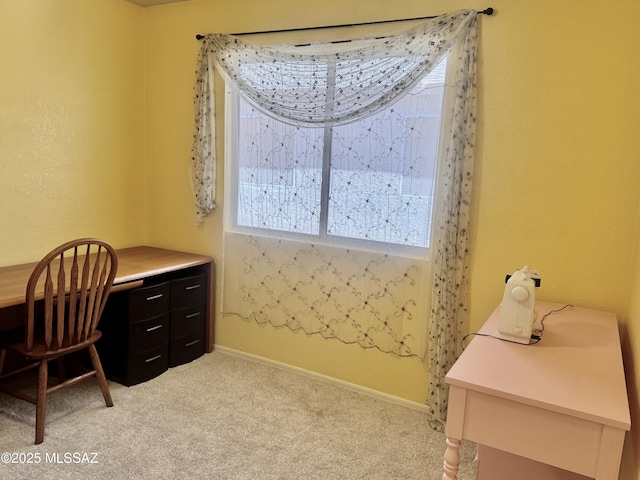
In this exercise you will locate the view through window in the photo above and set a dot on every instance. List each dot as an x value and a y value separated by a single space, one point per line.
372 180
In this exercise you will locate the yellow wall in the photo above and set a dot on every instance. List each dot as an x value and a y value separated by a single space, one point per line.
71 125
558 178
96 108
631 348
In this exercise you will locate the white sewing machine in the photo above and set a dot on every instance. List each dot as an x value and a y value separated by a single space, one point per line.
517 312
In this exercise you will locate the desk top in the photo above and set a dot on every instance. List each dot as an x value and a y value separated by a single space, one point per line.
134 264
576 369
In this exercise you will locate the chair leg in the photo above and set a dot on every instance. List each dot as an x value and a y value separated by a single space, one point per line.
102 380
41 400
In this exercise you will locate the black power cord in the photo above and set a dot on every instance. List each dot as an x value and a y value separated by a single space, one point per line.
536 335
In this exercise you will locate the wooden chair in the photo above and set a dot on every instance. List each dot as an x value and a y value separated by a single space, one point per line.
65 297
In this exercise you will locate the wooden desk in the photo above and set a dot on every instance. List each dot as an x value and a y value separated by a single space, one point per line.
135 265
562 402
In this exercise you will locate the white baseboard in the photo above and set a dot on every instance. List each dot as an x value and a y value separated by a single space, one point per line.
324 378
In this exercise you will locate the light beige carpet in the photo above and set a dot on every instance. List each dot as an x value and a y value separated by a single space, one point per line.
222 417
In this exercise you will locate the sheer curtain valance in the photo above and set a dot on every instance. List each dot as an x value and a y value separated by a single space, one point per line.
369 73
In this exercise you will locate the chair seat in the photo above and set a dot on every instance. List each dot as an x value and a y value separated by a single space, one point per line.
40 350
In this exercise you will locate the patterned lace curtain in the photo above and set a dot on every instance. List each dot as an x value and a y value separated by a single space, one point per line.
353 296
370 299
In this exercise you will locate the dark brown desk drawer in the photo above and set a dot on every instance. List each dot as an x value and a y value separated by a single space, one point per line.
146 365
188 291
158 325
188 320
149 333
185 349
148 302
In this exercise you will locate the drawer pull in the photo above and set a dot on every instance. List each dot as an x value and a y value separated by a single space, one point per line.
191 343
192 287
154 297
153 358
191 315
151 329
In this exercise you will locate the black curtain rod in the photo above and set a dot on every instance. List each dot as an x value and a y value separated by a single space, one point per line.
487 11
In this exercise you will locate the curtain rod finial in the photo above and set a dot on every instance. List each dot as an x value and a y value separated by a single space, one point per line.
487 11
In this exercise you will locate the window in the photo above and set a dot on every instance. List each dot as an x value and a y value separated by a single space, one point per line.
368 181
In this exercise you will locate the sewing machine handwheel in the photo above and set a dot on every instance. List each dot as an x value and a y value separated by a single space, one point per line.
519 294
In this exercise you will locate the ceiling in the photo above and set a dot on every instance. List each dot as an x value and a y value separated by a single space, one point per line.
151 3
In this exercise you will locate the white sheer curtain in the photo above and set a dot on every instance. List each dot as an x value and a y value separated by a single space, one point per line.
370 73
290 84
353 296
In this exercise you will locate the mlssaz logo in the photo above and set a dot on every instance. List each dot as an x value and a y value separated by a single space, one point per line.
71 457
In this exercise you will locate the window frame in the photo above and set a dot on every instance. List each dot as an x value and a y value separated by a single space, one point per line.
231 179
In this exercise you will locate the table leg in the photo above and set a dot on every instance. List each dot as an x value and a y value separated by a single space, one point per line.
451 459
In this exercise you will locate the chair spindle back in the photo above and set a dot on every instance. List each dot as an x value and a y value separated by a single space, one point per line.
75 280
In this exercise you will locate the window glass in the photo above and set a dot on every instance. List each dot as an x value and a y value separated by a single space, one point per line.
372 180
